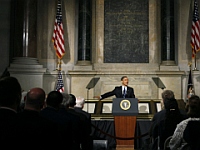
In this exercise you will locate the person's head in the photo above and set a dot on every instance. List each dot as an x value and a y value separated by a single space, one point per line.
170 104
65 102
69 100
54 99
10 92
166 95
124 80
80 102
35 99
194 106
72 100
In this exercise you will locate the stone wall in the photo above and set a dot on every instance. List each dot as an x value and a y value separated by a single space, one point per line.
77 76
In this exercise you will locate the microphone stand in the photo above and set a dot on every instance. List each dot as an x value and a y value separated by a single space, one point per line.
90 85
88 99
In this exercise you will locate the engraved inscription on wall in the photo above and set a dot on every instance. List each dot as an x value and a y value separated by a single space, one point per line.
126 31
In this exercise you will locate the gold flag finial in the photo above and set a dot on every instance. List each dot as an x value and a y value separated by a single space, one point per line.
190 64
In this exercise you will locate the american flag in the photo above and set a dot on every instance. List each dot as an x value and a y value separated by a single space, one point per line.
58 33
195 33
60 84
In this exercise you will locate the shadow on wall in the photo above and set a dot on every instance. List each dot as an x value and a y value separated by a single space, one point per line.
5 73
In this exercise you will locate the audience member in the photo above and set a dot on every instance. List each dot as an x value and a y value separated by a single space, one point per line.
194 115
167 94
53 104
80 101
10 96
75 121
35 129
80 127
165 128
85 128
191 134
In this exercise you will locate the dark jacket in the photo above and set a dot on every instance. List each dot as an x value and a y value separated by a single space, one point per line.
8 128
63 122
118 93
35 130
191 134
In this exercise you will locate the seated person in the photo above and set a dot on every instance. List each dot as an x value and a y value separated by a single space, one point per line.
177 140
167 94
165 128
191 134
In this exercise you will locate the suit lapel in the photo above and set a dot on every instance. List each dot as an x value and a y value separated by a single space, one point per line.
127 92
121 94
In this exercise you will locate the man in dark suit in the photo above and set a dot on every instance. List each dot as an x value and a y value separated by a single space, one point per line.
51 112
80 126
67 110
123 91
80 101
35 129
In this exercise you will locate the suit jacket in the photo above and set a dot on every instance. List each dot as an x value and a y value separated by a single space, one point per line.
76 126
87 142
84 129
88 115
35 130
159 116
118 93
8 128
63 122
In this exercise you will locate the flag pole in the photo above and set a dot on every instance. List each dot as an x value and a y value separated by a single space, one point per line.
59 64
195 64
190 86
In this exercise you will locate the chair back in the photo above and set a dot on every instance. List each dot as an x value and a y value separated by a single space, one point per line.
186 146
166 144
100 144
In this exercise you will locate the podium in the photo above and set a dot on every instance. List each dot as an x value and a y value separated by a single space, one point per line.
125 112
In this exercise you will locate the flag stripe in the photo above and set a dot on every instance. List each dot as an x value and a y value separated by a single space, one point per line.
58 33
195 33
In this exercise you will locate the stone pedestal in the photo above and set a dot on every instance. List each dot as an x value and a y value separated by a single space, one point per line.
28 71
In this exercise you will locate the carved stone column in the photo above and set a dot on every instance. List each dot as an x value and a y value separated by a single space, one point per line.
167 33
25 66
84 32
24 28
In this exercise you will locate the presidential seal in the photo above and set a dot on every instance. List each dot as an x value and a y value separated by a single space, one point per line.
125 104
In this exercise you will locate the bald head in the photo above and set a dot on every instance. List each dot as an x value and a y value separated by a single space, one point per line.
35 99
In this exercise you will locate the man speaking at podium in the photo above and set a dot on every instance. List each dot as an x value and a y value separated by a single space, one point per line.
123 91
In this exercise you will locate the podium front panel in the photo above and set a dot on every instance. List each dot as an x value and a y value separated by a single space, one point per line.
125 107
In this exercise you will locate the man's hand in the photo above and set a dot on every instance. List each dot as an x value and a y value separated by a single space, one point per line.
98 97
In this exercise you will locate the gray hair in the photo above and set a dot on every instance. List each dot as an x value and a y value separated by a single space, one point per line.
80 101
168 94
65 101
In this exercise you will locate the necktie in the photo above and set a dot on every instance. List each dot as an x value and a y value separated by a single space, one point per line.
124 92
